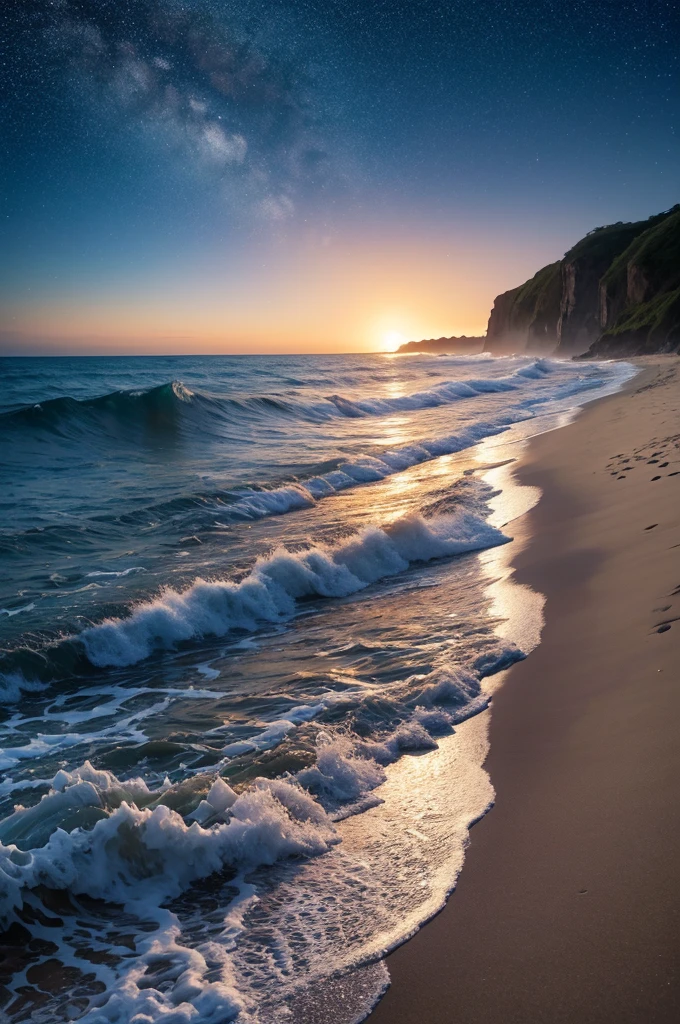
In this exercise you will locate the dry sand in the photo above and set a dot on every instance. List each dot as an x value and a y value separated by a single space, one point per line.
568 906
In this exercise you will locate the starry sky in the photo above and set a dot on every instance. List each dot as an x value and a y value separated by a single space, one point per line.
314 175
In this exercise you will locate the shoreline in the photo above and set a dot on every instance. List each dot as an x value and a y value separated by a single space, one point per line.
568 904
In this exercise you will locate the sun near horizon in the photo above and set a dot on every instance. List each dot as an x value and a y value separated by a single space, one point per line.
313 189
278 631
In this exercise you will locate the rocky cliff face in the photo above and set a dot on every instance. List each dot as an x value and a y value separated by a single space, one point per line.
582 270
500 337
639 301
526 318
596 294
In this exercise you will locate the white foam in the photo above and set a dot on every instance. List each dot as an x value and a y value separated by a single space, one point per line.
370 468
142 857
119 841
278 581
9 785
13 685
11 612
121 572
208 671
448 684
496 660
442 394
256 504
127 729
392 871
340 774
150 854
366 469
133 843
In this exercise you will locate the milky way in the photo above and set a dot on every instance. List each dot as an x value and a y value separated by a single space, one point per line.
157 145
229 100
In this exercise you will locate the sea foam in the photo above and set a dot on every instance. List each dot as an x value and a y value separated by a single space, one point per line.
278 582
121 841
363 469
13 685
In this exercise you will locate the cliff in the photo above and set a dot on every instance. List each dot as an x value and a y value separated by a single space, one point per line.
617 290
462 346
526 318
639 295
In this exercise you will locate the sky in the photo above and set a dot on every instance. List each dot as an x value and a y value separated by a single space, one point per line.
314 175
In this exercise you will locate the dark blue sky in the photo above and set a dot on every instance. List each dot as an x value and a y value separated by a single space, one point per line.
236 169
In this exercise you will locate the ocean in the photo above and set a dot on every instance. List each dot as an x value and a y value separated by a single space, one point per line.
252 614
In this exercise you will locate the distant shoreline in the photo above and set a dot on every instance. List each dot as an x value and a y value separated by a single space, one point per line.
462 346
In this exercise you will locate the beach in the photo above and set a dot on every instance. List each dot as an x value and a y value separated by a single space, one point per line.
568 904
248 617
280 689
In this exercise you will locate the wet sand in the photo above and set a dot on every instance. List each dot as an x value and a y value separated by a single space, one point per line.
568 905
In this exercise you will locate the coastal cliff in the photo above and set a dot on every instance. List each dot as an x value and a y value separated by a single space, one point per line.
526 318
617 291
639 295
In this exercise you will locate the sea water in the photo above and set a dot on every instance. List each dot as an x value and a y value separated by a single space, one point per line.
251 614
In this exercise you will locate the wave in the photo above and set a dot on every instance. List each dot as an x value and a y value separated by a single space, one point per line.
248 503
167 406
269 593
278 582
190 512
113 840
13 686
130 843
442 394
160 402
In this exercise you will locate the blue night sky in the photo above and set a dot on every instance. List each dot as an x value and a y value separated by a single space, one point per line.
282 175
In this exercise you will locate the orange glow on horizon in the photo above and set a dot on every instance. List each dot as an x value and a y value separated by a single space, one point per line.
357 295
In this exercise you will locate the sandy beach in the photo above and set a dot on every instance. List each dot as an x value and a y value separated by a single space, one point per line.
568 905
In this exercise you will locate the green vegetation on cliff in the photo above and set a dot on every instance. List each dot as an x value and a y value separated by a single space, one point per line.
602 245
656 250
616 289
526 317
640 293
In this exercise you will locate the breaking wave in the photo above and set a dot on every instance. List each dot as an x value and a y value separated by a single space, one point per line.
278 582
175 853
171 405
242 504
94 835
